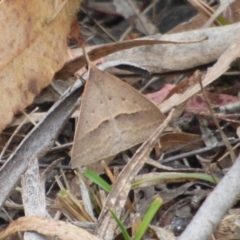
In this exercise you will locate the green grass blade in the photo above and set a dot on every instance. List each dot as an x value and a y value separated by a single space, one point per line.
173 177
121 226
148 218
97 180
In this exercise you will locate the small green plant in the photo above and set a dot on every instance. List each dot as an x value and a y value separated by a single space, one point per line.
144 224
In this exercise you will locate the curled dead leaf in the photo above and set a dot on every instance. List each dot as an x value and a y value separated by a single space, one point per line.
33 47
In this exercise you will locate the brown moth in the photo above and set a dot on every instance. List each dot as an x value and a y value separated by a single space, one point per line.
113 117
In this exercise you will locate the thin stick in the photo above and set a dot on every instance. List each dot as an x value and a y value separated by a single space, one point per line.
224 138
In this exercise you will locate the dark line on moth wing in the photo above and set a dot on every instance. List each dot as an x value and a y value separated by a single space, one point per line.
130 113
102 123
141 111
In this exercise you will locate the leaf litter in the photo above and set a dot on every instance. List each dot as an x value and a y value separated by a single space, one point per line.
139 173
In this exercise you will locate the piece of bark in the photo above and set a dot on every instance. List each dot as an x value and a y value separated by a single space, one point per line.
176 57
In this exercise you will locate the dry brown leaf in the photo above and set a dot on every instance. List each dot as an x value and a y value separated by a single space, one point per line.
33 47
175 140
48 227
